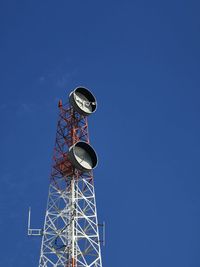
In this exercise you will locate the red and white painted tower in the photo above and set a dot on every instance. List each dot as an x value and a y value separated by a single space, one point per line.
70 237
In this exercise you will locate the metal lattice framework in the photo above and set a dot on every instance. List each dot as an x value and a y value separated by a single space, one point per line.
70 235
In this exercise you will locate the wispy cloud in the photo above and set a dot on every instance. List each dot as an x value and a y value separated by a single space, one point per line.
19 108
58 77
3 106
42 79
63 80
25 107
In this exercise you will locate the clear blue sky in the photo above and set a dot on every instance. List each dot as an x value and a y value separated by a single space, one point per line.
142 61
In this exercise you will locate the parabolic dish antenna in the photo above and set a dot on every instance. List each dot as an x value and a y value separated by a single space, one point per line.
83 156
83 101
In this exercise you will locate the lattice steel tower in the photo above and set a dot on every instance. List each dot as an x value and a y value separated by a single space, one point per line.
70 237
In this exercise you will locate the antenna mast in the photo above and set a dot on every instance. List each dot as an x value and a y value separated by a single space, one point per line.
70 237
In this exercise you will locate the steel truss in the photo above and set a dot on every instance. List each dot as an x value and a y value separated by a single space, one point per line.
70 235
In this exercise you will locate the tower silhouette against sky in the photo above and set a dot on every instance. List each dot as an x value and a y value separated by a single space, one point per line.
70 237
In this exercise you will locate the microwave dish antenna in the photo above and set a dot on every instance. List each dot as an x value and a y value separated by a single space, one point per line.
83 101
83 156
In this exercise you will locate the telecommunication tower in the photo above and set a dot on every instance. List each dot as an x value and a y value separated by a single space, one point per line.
70 237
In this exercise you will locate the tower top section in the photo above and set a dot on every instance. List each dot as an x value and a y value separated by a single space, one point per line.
83 101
